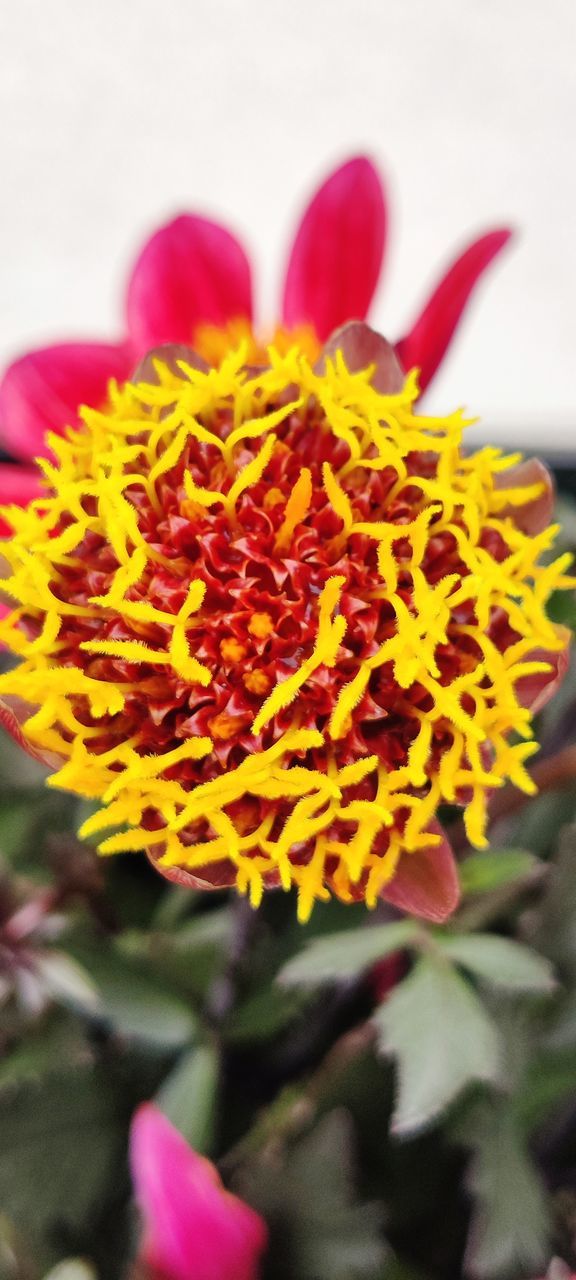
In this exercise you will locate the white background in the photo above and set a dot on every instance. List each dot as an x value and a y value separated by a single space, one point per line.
114 116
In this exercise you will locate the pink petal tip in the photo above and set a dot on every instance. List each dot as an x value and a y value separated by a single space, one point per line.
425 346
337 253
190 272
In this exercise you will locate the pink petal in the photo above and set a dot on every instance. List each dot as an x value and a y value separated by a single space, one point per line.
536 515
425 345
536 690
190 272
18 485
426 882
42 391
361 347
192 1226
337 253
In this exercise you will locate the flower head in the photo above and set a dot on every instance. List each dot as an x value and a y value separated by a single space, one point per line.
272 618
192 283
192 1227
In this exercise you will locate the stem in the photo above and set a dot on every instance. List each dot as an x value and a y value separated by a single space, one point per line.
223 991
294 1111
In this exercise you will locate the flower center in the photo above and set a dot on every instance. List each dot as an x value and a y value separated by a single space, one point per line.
272 619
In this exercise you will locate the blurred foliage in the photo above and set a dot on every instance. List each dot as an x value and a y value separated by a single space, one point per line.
398 1100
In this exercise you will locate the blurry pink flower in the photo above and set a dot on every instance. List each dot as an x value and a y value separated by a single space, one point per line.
193 273
192 1226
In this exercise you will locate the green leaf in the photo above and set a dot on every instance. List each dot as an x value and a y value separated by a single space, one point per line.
263 1014
187 956
539 823
555 933
318 1231
561 1031
55 1039
548 1085
175 905
347 954
138 1006
67 981
500 961
483 872
436 1027
188 1096
63 1150
509 1227
26 817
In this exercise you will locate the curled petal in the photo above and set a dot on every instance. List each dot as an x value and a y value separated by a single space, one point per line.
168 354
426 882
425 345
191 272
536 515
18 485
13 713
192 1226
219 875
41 391
361 347
536 690
216 875
337 253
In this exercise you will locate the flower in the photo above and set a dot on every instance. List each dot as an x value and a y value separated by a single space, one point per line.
192 283
192 1227
272 618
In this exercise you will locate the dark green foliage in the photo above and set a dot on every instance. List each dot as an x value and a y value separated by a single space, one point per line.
398 1100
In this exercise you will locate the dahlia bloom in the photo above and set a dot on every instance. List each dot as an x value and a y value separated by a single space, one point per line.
191 283
271 618
192 1226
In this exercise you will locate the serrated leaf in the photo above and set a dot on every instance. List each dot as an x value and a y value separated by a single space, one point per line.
347 954
483 872
509 1226
318 1231
188 1096
436 1027
500 961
